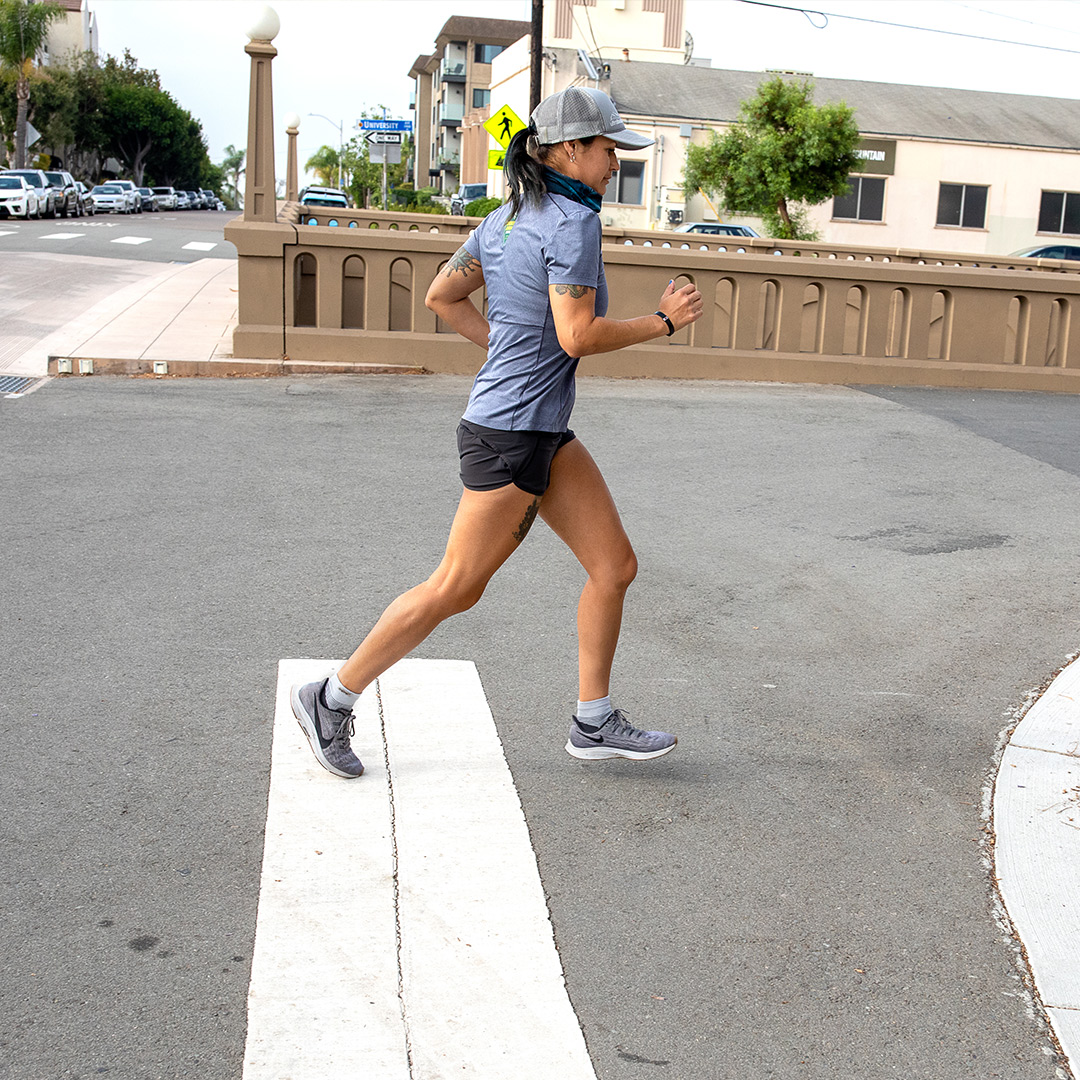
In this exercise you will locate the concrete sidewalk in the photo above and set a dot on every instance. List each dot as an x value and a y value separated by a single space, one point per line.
186 313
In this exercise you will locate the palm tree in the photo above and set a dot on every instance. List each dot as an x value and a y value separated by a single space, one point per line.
24 30
233 166
326 164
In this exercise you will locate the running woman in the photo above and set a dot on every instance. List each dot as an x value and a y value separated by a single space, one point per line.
539 256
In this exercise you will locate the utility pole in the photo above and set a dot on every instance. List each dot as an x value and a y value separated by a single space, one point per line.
536 53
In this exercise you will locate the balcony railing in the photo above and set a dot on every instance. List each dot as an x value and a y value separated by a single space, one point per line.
452 71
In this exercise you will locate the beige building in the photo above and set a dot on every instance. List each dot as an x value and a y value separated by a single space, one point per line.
954 170
76 33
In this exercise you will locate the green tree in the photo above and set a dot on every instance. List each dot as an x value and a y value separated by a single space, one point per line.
24 29
784 155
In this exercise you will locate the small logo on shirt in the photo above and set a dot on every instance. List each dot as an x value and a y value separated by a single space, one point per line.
506 230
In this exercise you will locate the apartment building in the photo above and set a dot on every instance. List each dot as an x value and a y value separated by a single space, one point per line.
76 33
451 81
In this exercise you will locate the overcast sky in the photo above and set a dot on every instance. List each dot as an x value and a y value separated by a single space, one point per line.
338 57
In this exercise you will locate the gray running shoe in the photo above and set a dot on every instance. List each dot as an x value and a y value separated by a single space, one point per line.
616 737
328 730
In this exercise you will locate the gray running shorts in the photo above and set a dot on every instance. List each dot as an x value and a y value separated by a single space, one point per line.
492 458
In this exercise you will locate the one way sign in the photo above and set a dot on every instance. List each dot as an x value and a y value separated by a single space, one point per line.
384 147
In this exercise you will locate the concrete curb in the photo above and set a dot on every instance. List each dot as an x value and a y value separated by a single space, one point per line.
1036 820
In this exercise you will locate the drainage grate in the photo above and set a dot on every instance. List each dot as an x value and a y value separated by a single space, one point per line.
17 385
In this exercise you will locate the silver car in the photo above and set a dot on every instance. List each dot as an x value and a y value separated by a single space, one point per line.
112 198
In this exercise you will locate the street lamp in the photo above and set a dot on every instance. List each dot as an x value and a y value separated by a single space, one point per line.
341 142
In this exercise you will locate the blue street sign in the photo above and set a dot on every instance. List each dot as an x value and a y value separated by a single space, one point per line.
384 125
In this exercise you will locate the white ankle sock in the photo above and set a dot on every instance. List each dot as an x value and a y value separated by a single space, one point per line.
337 696
593 713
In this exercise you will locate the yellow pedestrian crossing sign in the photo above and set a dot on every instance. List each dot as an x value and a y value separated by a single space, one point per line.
504 125
496 159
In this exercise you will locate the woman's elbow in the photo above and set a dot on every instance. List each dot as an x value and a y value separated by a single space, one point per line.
573 344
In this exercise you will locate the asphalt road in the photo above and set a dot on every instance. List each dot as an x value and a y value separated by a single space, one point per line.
843 597
161 237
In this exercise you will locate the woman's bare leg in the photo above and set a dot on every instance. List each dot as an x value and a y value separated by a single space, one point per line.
580 510
487 529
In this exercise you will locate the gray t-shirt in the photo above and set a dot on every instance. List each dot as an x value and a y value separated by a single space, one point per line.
527 383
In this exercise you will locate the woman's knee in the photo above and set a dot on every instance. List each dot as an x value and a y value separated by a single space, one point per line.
618 571
452 598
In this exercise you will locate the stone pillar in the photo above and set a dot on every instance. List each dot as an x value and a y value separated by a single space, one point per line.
292 173
260 193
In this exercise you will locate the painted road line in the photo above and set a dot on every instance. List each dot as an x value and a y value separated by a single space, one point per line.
1037 848
323 1000
131 240
482 981
62 236
8 232
402 929
198 245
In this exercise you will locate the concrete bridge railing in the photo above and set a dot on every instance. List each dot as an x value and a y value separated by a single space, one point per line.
356 295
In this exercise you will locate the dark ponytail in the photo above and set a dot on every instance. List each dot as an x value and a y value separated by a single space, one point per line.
524 172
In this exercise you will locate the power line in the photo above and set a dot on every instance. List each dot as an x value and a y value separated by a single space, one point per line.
826 15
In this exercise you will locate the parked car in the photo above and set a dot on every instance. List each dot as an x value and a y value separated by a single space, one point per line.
196 200
46 193
67 195
18 198
165 197
323 196
182 201
209 199
1048 251
469 192
112 197
715 228
129 185
85 199
148 199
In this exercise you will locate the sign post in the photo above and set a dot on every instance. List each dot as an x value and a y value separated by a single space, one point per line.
384 139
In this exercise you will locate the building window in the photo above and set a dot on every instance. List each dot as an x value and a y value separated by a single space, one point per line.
480 98
1059 212
484 54
628 184
962 205
865 201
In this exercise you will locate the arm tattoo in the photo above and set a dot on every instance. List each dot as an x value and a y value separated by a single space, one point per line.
463 261
526 522
576 291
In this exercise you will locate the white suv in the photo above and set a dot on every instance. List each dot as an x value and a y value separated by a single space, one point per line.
166 197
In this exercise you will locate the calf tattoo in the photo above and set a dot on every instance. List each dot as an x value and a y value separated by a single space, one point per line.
526 522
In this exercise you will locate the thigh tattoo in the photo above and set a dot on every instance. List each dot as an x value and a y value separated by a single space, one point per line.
526 522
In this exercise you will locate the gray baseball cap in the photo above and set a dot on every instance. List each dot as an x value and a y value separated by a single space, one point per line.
579 112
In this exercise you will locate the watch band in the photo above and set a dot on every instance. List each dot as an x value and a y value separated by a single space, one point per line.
670 324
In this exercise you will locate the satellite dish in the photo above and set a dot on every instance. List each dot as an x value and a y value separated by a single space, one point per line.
688 47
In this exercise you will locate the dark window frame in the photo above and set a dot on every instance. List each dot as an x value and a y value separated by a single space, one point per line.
483 54
1066 215
485 95
858 184
969 210
634 174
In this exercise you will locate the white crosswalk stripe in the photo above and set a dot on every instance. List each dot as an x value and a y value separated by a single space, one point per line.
63 236
131 240
198 245
402 928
